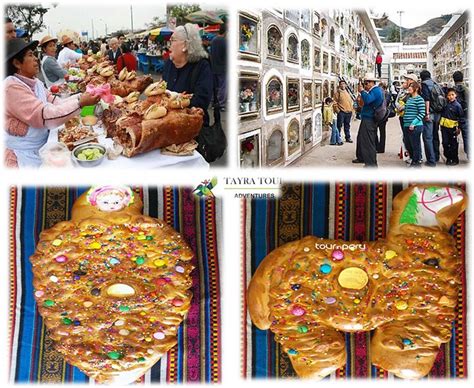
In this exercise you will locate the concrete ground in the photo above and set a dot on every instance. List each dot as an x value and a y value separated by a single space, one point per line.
341 156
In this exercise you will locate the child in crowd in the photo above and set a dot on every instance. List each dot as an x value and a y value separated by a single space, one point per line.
330 118
450 128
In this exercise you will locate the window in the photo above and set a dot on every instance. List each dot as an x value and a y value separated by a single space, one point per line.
293 137
293 94
292 49
275 150
249 44
305 55
274 95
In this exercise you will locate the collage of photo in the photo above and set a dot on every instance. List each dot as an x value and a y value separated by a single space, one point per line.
208 193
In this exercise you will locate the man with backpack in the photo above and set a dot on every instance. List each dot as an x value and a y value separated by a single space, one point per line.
435 101
373 111
462 93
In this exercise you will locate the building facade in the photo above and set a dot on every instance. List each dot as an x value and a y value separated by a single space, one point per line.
402 59
450 50
289 62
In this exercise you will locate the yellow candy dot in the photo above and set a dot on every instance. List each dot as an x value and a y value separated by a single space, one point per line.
141 237
159 263
390 254
95 245
401 305
152 320
141 232
57 242
148 339
143 313
356 301
444 301
353 278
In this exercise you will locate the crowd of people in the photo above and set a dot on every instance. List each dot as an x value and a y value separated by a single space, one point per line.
190 69
431 116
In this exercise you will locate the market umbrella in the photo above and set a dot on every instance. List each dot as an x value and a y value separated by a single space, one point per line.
161 31
207 17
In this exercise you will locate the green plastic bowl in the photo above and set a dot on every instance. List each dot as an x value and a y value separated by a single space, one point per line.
87 110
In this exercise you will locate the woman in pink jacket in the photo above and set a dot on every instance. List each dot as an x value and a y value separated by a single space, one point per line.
30 109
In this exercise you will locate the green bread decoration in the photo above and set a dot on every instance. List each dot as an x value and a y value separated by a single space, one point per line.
411 210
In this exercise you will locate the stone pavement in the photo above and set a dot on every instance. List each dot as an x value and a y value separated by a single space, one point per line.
341 156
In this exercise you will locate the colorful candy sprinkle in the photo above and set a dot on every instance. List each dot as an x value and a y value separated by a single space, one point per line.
87 304
390 254
356 301
94 245
57 242
329 300
432 262
141 359
177 302
140 260
124 332
375 275
54 279
298 311
48 303
114 355
61 259
159 263
124 308
67 321
305 249
114 261
407 341
325 268
95 292
337 255
159 335
119 323
292 352
141 237
179 269
39 293
295 287
401 305
302 329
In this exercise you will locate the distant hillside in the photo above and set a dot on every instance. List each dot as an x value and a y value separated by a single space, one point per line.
417 35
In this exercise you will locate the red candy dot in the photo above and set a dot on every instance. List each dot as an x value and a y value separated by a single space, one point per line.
177 302
298 311
337 255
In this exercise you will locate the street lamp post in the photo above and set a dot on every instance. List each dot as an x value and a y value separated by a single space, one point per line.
105 24
400 33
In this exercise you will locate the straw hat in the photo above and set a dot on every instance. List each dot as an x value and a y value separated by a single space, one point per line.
413 77
66 40
371 77
46 39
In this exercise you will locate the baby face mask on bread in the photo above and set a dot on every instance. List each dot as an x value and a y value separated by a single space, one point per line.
112 285
405 287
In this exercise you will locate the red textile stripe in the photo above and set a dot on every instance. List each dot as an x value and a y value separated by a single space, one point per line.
359 353
214 288
13 269
193 355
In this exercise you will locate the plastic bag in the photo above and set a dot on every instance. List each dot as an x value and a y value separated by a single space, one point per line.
55 155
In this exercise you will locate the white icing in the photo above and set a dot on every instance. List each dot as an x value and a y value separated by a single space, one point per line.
431 202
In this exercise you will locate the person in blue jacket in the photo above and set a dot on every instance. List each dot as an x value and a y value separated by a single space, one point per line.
450 122
188 69
370 97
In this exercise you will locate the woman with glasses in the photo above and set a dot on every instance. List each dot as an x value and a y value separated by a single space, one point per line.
30 109
188 69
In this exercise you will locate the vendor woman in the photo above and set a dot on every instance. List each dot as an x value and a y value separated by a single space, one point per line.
53 74
31 110
188 69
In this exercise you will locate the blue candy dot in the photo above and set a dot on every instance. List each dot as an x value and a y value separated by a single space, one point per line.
325 268
407 341
292 352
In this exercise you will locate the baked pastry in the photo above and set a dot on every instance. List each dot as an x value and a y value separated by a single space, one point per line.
112 285
309 292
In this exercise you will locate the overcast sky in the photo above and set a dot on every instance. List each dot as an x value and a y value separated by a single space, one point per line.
417 17
116 15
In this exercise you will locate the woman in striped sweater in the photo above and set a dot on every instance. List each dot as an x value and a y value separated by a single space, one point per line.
413 123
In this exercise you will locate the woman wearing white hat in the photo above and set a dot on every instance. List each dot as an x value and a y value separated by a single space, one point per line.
53 74
68 56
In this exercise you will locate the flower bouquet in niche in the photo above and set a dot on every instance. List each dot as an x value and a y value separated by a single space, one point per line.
246 33
246 97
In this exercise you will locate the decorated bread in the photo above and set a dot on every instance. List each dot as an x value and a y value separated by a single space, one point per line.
112 285
309 292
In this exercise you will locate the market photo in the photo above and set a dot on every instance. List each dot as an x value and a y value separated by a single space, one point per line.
356 280
353 88
114 285
133 86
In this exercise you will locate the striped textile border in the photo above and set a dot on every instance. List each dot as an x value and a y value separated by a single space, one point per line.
196 358
356 211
